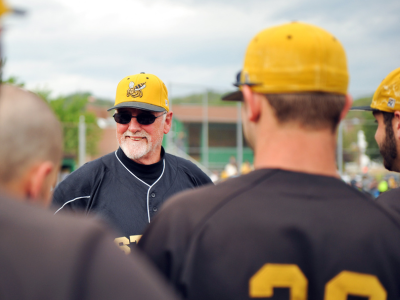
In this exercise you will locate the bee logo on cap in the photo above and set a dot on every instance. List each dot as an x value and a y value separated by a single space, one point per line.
135 91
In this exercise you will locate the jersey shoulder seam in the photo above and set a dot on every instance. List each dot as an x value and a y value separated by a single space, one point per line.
69 201
231 196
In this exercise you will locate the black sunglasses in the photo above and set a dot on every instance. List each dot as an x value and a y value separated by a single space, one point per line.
142 118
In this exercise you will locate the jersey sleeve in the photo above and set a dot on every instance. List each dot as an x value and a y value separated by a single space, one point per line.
75 191
197 176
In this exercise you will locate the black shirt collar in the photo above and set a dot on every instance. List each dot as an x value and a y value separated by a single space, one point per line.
147 173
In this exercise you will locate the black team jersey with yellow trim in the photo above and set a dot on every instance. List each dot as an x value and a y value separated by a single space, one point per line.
274 231
108 188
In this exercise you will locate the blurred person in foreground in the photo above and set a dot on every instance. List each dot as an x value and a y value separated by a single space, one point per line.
31 146
385 107
291 229
127 187
45 256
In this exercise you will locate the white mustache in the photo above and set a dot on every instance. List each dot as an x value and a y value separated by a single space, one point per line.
137 134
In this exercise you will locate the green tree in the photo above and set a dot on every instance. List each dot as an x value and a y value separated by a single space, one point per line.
68 110
13 80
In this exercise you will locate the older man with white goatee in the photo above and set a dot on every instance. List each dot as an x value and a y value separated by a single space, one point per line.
128 186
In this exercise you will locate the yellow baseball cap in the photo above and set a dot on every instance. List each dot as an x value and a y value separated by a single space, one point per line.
142 91
294 57
387 95
4 8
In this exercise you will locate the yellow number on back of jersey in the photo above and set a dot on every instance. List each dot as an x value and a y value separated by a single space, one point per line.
290 276
272 276
356 284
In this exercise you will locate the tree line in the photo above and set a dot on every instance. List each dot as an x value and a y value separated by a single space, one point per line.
70 107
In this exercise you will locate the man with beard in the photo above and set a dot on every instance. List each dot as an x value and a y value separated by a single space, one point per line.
45 256
385 107
128 186
291 229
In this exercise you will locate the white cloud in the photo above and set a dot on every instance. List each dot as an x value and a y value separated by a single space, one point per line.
90 45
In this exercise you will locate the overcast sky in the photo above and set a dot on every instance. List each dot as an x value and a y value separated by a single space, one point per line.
85 45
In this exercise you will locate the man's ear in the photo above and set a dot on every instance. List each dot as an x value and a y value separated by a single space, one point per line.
37 181
347 105
253 104
396 124
168 122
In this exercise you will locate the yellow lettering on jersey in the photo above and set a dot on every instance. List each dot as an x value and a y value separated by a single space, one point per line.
135 238
272 276
123 243
355 284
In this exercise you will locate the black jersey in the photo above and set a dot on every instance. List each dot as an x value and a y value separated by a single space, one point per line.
275 232
62 257
108 188
391 200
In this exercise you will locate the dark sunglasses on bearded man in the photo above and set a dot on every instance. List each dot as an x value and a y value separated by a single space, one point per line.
142 118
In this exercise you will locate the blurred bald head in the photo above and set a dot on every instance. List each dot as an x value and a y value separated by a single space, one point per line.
30 136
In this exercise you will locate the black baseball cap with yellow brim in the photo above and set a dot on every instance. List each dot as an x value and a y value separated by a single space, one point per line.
386 97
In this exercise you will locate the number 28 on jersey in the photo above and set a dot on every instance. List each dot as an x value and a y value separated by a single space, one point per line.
270 276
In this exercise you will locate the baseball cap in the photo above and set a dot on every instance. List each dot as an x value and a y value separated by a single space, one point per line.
5 8
387 96
294 57
142 91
